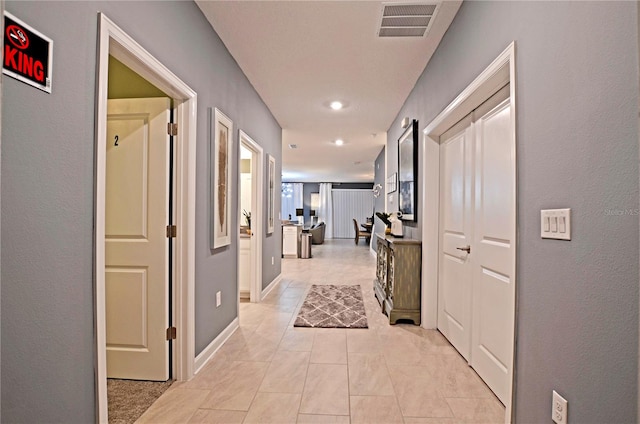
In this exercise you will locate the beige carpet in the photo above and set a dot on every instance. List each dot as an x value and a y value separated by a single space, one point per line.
331 306
128 399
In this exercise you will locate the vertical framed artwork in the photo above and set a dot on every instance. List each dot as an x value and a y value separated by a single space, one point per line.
391 183
408 172
271 195
220 169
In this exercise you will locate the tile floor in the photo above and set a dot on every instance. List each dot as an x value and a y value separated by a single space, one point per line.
270 372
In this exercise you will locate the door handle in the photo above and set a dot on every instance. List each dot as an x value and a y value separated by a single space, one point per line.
466 248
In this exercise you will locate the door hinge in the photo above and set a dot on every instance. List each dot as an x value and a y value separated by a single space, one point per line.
172 231
172 129
171 333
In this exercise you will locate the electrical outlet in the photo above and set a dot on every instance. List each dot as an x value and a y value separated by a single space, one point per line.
272 261
218 299
559 407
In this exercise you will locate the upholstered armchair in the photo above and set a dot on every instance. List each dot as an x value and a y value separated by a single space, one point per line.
317 233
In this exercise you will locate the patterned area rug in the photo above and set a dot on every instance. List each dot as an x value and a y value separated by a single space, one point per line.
329 306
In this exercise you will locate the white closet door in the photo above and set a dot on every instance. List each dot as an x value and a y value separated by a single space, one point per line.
456 197
476 288
493 282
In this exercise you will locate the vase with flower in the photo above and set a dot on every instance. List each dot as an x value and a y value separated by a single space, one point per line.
247 217
384 217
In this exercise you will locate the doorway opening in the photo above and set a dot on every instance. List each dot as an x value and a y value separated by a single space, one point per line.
115 43
250 205
499 74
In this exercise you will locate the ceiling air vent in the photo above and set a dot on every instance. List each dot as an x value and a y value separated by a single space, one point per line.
406 20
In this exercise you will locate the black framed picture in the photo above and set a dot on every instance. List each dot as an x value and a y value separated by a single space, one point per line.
408 173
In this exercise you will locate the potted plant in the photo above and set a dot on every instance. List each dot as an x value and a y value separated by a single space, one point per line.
384 217
247 217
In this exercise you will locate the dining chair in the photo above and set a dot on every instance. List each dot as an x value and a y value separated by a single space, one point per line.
361 233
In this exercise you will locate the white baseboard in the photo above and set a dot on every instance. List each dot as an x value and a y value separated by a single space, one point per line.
209 351
270 287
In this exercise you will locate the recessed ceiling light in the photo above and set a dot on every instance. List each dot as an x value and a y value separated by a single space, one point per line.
336 104
339 142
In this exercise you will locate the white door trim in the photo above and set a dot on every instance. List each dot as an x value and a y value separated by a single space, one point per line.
500 72
114 41
257 176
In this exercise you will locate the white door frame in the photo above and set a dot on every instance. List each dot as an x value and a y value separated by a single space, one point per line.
257 175
500 72
113 41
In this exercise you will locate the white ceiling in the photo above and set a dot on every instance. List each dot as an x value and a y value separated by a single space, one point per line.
301 55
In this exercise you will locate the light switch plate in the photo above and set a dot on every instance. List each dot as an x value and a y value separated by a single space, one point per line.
555 224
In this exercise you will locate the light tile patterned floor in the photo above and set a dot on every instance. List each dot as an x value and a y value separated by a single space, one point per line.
270 372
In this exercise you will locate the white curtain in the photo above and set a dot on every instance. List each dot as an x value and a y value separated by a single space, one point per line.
347 205
325 210
291 199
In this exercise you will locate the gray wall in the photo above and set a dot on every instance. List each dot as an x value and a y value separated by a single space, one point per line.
577 147
307 189
48 193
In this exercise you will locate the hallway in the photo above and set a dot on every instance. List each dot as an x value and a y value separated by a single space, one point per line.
270 372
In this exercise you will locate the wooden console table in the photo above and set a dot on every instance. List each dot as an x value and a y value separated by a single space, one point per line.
398 276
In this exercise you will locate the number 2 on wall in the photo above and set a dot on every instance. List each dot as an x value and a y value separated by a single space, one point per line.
116 143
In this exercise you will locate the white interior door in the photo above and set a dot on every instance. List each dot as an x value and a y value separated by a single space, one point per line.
493 282
456 191
136 245
476 290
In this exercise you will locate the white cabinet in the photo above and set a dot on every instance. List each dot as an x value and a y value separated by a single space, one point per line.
290 240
